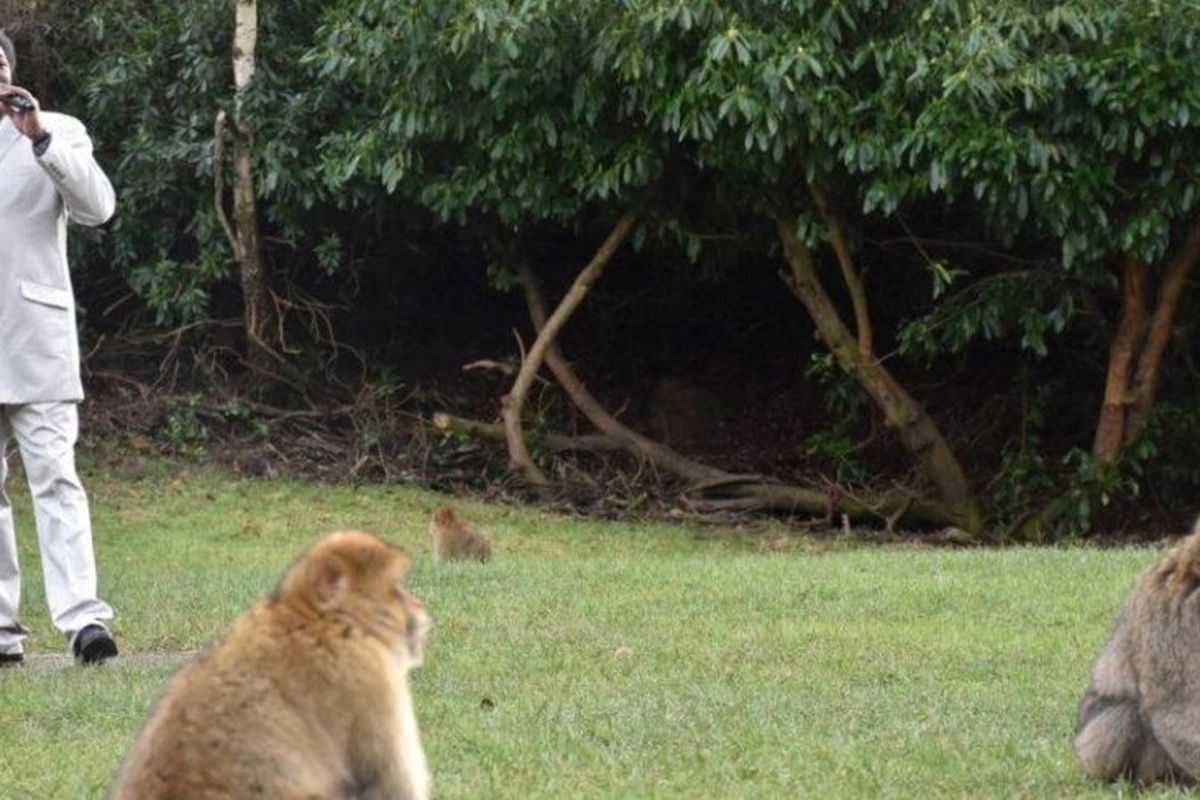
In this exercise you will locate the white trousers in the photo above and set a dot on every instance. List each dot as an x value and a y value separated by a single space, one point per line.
46 435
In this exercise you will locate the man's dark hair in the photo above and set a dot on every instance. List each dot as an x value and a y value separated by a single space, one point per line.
9 51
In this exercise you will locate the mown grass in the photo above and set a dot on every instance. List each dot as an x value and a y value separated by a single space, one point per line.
604 660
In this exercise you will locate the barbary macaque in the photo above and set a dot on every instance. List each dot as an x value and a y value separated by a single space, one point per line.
1140 718
306 696
455 538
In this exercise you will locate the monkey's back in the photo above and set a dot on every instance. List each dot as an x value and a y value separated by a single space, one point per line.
1164 626
477 548
455 538
1140 717
255 715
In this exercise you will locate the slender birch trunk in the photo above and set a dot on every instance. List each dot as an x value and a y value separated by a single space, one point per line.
258 306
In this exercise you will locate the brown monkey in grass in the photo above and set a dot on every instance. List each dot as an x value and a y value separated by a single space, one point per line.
455 538
307 696
1140 718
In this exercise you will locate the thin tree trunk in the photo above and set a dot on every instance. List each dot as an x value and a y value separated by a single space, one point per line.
513 402
1140 344
858 295
1149 369
259 310
917 431
1110 431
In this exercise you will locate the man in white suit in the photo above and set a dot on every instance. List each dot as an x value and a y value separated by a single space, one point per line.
47 177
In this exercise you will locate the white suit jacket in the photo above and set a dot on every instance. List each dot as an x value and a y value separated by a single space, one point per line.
39 346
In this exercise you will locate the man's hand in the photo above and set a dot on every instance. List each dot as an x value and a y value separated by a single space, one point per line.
27 122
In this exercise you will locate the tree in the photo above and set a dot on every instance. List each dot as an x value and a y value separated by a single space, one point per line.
784 137
1079 122
259 312
167 70
488 116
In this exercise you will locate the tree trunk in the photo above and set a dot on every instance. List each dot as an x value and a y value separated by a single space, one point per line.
513 402
1131 329
1136 355
259 310
917 431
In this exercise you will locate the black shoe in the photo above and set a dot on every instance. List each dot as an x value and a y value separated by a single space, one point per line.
11 659
94 645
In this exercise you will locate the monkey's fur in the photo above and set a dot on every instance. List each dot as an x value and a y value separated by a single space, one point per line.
307 695
455 538
1140 719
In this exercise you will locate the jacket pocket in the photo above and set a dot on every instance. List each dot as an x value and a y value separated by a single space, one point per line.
46 295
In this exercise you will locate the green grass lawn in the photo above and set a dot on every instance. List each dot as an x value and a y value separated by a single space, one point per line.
827 671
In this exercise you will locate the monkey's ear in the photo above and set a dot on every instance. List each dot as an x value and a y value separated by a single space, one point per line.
330 579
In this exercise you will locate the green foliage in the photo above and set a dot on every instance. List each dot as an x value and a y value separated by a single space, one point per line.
185 432
477 109
1064 496
329 254
1065 119
1069 120
150 103
847 402
1090 483
993 308
1073 118
844 396
1174 435
1025 477
836 445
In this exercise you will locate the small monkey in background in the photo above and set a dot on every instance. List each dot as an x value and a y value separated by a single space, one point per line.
1140 718
307 695
455 538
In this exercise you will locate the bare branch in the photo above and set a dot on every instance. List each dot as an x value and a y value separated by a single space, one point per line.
514 401
850 274
219 183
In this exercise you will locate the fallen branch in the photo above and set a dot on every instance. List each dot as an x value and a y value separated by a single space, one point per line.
503 367
890 506
558 443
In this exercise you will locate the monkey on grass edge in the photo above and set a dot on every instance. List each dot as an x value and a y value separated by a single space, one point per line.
1140 718
454 538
